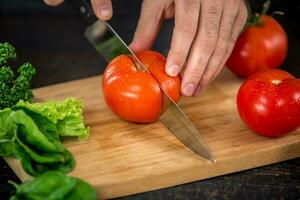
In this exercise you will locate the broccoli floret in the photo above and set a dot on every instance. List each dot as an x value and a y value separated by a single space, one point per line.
13 89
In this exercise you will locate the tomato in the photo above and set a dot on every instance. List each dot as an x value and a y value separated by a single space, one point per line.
259 47
135 95
269 102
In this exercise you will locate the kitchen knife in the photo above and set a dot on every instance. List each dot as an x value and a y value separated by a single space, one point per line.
108 43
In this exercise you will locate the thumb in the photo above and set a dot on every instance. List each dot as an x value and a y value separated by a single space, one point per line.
102 9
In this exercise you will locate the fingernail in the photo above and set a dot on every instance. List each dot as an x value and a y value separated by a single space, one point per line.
188 89
104 11
173 70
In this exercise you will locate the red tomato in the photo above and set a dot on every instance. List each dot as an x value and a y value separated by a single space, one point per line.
135 95
269 102
259 47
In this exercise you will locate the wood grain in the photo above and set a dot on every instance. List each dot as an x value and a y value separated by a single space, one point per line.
122 158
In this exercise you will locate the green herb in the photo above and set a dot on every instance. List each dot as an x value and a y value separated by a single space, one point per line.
66 115
54 186
13 89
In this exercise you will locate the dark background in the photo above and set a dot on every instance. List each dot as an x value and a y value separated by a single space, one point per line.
51 38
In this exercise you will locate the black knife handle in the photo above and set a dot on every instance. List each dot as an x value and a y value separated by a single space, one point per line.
84 7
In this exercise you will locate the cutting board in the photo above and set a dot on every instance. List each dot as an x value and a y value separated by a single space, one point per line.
122 158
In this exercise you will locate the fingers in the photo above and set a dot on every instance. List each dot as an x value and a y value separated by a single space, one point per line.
186 24
53 2
229 14
236 30
148 25
169 10
103 9
203 45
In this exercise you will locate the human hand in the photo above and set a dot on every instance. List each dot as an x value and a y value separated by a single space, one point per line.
203 37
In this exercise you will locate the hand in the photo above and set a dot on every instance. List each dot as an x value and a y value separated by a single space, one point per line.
203 37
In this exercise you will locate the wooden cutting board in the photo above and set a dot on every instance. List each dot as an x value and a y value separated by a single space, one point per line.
122 158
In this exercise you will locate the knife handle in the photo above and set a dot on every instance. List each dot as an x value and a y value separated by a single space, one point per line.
85 9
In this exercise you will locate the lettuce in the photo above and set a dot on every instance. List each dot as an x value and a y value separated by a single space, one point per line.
67 115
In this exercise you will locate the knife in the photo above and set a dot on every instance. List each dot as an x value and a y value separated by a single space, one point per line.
109 44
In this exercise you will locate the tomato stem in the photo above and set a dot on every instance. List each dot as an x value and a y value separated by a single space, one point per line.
277 13
276 82
255 19
266 7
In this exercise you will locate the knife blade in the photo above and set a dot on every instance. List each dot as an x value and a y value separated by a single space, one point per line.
109 44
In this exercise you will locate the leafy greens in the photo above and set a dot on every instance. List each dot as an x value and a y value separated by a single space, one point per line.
66 115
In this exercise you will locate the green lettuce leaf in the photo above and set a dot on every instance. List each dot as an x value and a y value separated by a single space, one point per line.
66 115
